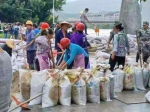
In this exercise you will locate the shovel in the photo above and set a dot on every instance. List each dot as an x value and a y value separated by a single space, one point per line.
23 105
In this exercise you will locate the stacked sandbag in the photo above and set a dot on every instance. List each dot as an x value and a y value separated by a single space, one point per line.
138 78
37 83
93 89
147 96
128 79
64 91
25 84
78 93
146 75
104 89
50 93
119 77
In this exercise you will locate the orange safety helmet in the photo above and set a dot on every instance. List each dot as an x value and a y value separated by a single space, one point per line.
75 25
80 27
44 26
64 42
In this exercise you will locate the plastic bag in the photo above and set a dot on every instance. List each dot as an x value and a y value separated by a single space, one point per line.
112 86
104 89
146 77
138 75
78 93
147 96
65 91
25 82
50 93
128 79
93 90
37 82
119 77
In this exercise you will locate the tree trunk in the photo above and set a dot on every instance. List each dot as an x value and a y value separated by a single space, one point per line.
130 16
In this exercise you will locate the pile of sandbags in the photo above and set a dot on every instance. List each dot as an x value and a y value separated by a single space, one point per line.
101 42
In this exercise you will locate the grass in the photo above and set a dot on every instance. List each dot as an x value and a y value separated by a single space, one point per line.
1 35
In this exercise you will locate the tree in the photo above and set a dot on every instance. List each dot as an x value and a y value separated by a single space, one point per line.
22 10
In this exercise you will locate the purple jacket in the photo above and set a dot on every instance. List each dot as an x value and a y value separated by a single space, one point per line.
77 38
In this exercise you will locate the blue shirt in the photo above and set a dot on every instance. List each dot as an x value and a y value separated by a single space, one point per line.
59 36
36 31
71 53
30 35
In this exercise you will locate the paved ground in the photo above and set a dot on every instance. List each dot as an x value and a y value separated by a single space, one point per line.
112 106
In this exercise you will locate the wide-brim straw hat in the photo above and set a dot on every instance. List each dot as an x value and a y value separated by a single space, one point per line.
10 43
65 22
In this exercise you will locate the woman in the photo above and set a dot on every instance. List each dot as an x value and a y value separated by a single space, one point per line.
59 35
74 53
121 44
10 44
80 38
43 53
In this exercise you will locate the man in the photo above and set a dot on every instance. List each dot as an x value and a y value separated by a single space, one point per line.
57 28
144 42
5 29
84 18
5 80
30 46
112 33
62 33
16 31
36 29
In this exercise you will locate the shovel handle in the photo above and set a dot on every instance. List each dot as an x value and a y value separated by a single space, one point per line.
26 102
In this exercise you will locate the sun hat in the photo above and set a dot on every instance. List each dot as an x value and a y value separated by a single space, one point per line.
10 43
64 22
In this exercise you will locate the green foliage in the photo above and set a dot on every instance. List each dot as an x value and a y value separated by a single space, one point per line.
142 0
23 10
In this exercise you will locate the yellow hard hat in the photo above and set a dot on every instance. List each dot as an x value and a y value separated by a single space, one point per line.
29 22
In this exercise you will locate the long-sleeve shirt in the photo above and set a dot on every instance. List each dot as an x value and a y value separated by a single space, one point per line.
121 44
5 81
59 36
42 45
71 53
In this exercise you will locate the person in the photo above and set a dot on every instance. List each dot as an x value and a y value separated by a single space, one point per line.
57 28
23 29
59 35
111 37
80 38
144 39
74 53
43 53
10 44
30 44
16 31
11 31
36 29
5 29
5 80
84 18
120 44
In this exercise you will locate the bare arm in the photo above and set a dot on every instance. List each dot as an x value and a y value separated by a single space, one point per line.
30 43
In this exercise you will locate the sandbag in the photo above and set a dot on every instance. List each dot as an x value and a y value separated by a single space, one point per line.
102 54
138 75
93 90
112 86
119 77
25 82
128 79
147 96
37 82
146 76
78 93
104 89
50 93
65 91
